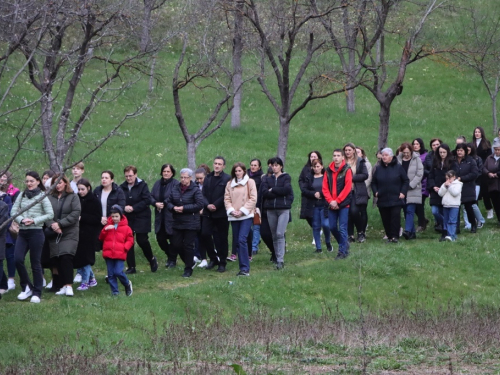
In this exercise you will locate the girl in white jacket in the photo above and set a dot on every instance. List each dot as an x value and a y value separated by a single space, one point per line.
451 191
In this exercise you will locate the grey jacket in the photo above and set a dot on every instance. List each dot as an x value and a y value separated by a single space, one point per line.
415 175
40 212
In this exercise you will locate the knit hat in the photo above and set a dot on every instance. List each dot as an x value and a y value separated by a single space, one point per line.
496 143
116 209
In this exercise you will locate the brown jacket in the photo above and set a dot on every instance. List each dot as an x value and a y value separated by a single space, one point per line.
240 196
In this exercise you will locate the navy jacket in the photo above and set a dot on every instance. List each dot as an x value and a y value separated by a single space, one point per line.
388 182
192 201
139 198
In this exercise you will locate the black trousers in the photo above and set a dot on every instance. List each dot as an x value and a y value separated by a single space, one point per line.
64 265
391 219
165 242
214 236
358 217
183 243
420 212
266 234
486 195
495 199
143 242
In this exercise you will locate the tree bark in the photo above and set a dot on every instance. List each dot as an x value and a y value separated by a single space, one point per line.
283 137
494 110
384 116
146 25
237 68
191 153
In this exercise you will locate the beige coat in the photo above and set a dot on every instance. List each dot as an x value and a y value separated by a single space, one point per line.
240 196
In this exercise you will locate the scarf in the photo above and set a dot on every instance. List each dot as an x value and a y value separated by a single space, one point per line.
184 188
31 193
163 188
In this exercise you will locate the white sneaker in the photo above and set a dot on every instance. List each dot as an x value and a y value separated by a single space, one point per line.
49 285
313 242
35 299
44 282
61 292
23 295
490 214
203 263
78 278
196 260
11 284
69 291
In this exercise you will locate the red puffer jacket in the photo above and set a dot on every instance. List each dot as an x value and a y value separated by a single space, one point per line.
116 242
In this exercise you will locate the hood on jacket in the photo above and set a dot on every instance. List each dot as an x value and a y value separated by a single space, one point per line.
332 166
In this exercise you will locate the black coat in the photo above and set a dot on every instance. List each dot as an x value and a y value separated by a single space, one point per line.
479 163
429 159
116 196
90 228
483 153
4 216
358 180
139 198
436 179
304 180
163 217
257 177
307 190
192 201
214 194
492 166
468 173
281 195
388 182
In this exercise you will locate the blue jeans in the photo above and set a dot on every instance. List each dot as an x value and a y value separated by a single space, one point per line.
319 221
338 227
437 211
450 221
30 240
115 271
86 273
255 238
11 265
410 215
241 229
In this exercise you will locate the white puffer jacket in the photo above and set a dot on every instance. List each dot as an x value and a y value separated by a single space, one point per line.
451 194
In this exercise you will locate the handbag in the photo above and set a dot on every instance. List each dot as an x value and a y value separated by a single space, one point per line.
256 215
49 232
14 229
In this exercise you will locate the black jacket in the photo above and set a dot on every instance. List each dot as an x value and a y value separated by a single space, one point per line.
468 173
309 201
358 180
90 228
436 179
192 201
257 177
116 196
388 182
483 153
139 198
281 195
304 179
214 188
479 163
163 217
429 158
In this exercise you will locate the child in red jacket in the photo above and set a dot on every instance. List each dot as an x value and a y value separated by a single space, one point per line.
117 240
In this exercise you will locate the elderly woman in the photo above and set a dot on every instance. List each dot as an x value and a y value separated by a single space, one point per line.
390 185
185 202
62 233
491 173
412 164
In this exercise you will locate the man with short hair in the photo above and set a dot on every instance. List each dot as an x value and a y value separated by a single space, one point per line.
77 171
215 224
138 213
337 186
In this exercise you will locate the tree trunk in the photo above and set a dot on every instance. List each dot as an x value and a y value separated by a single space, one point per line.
494 110
384 116
351 95
191 153
146 25
151 75
46 118
283 138
351 100
238 71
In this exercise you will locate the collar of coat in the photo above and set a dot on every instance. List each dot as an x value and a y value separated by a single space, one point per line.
243 181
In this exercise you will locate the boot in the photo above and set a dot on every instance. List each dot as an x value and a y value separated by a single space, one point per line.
473 227
443 235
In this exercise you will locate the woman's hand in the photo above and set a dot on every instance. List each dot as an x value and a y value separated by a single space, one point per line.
317 195
27 222
436 189
55 227
237 213
104 220
179 209
159 206
401 196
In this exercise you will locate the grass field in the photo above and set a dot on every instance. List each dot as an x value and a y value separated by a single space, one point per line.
415 307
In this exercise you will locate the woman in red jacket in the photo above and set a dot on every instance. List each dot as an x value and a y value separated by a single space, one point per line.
117 239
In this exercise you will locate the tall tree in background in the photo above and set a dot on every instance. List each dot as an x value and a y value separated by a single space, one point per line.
237 67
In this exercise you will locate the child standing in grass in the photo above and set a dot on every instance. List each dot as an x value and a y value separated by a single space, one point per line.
117 240
451 192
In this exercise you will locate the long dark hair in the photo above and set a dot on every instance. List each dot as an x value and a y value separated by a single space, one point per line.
308 164
36 176
422 150
437 158
472 147
86 183
484 141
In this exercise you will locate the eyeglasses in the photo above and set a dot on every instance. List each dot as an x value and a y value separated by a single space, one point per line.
185 177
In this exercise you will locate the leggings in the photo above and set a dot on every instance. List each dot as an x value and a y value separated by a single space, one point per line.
358 218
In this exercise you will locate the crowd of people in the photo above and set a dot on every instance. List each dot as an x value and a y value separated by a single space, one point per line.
64 227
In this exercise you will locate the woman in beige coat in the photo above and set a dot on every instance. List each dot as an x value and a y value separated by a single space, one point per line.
240 199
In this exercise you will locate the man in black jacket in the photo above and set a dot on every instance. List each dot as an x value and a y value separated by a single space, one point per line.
138 214
215 224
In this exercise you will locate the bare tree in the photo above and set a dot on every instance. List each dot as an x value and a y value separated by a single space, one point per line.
149 6
237 67
286 31
479 49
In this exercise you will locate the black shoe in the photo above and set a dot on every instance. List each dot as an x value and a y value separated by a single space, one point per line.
243 273
187 273
473 229
329 247
438 228
340 256
392 240
280 265
351 239
171 264
130 270
106 279
413 236
221 268
210 265
318 251
128 289
406 235
153 264
361 237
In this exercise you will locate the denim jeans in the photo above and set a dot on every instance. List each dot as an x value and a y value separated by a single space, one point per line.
477 211
256 237
11 266
115 271
338 227
241 229
319 222
278 221
437 211
86 273
450 221
409 217
30 240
